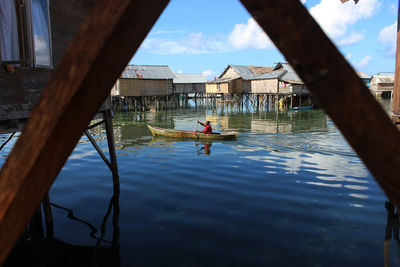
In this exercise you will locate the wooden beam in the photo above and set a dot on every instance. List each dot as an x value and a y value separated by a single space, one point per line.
335 86
92 63
396 90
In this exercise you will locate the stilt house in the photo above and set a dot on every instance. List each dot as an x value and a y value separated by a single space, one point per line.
382 84
144 80
235 79
189 83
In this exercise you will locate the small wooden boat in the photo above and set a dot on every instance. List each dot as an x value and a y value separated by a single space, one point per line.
191 134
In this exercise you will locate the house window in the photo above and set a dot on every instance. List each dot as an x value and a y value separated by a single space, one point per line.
25 32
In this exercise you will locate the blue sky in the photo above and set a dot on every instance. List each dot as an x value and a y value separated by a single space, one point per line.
205 36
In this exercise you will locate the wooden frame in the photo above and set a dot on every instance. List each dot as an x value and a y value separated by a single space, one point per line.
102 48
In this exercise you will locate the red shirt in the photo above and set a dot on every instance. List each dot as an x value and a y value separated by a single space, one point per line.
207 129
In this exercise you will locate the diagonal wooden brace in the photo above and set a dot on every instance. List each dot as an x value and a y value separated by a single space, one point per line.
335 86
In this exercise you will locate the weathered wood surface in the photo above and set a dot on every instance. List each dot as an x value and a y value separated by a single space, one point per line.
92 63
335 86
65 18
20 91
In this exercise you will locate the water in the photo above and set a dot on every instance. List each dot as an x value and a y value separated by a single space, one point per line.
288 192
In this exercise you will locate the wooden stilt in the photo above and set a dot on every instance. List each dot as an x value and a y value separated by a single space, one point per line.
48 215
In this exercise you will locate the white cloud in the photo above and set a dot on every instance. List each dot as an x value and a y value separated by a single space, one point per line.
42 50
194 43
303 1
335 17
249 36
348 56
180 71
388 35
243 36
352 38
209 74
363 62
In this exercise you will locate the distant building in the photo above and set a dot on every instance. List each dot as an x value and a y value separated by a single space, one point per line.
144 80
365 78
281 79
235 79
188 83
382 84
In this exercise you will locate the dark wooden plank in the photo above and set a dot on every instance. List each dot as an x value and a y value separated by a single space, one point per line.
95 58
20 91
335 85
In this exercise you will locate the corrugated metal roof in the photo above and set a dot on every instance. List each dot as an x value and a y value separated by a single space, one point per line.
190 78
291 75
156 72
243 71
248 72
219 80
276 74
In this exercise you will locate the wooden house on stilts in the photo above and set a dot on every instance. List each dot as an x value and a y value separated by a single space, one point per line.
382 84
262 84
189 83
139 85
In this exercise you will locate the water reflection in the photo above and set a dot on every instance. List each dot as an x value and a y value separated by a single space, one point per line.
37 247
204 149
391 231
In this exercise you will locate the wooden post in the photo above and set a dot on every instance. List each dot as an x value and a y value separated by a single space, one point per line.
48 216
300 100
291 101
396 90
111 144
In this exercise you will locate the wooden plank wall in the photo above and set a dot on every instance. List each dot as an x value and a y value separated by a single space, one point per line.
269 86
211 88
20 91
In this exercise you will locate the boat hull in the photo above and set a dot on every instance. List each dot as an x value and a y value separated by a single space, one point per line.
190 134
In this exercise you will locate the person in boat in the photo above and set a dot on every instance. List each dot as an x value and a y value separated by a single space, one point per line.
207 127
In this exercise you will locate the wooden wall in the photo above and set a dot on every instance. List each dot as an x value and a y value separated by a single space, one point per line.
230 74
267 86
246 87
20 91
144 87
211 88
65 18
189 88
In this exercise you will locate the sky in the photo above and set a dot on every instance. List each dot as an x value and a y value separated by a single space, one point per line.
206 36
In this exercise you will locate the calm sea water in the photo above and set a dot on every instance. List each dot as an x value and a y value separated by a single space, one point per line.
288 192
